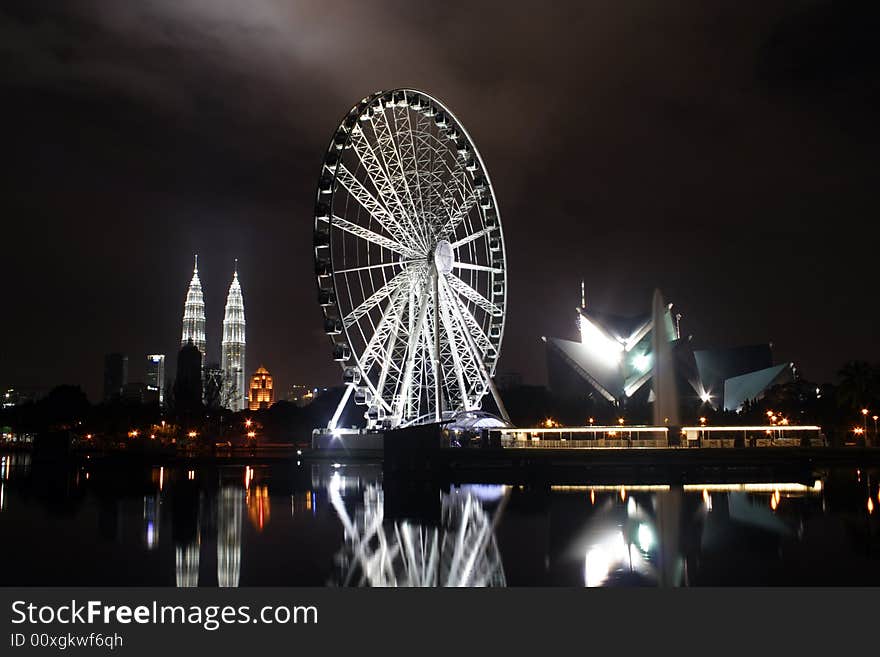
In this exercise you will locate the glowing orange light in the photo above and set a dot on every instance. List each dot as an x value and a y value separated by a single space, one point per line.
864 411
870 505
592 497
248 423
252 434
192 434
620 420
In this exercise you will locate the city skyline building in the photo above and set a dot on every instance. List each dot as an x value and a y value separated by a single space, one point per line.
194 314
188 383
232 348
262 389
156 377
115 375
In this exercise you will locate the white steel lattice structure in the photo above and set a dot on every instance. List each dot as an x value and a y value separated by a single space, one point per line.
410 261
462 551
194 314
232 349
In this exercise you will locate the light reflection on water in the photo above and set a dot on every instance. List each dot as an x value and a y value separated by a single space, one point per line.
280 523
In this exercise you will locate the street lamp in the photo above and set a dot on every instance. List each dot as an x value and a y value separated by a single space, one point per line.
192 434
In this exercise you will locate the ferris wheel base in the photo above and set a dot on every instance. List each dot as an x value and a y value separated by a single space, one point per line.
356 440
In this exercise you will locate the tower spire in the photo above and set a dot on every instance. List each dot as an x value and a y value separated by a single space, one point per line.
194 313
232 348
583 295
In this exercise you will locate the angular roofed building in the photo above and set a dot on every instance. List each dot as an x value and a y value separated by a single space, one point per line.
614 360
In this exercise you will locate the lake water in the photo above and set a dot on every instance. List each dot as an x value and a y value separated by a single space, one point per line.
289 522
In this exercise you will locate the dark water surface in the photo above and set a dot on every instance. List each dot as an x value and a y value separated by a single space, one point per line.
289 522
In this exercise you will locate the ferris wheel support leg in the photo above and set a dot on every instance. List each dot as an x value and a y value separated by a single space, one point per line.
497 397
479 358
342 402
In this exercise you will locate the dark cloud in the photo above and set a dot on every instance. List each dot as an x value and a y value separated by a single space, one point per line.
722 151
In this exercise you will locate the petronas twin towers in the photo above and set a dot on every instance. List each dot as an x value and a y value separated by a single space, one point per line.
232 348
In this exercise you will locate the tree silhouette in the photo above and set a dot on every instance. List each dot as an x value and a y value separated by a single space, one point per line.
859 384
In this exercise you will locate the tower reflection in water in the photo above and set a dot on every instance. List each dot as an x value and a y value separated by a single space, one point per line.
186 523
230 511
188 514
458 550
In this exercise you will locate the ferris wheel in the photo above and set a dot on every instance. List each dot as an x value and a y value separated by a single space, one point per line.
410 261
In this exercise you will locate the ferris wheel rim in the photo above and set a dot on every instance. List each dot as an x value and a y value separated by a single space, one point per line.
345 128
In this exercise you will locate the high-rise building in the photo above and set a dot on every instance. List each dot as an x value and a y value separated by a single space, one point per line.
188 384
232 349
262 390
194 315
115 375
156 377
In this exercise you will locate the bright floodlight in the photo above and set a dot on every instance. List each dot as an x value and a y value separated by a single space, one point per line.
642 362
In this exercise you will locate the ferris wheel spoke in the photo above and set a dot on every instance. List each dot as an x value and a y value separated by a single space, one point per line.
374 300
411 162
404 160
486 348
373 206
472 267
373 238
382 182
379 266
455 348
383 328
414 340
395 324
469 293
457 214
473 236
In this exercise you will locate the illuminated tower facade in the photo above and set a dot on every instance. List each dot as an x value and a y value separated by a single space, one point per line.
262 390
194 314
233 349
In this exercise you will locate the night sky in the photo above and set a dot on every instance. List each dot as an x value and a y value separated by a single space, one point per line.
726 152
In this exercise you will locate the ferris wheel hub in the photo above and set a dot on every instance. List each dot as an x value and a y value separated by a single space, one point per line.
444 257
